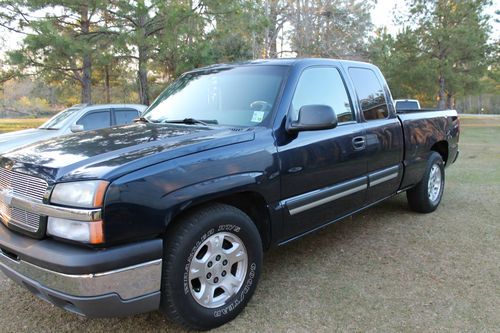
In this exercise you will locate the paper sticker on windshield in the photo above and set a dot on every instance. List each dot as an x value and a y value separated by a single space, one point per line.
258 116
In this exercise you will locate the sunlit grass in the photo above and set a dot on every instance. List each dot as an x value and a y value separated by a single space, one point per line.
11 124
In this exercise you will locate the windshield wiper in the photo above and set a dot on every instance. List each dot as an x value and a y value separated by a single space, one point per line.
191 121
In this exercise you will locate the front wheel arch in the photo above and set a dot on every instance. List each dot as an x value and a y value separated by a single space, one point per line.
250 202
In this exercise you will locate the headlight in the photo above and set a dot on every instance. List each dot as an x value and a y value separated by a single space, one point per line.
85 194
85 232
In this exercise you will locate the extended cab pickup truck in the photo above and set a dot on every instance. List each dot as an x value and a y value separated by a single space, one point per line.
174 212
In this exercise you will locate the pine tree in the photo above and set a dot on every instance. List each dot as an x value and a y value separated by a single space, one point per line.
60 38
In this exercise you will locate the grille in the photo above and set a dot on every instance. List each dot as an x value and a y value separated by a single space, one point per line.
27 186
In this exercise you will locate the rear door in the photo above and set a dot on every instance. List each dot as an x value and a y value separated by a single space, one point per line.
383 130
323 173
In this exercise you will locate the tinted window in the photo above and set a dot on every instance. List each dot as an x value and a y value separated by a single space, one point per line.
407 105
125 116
241 96
95 120
322 86
370 93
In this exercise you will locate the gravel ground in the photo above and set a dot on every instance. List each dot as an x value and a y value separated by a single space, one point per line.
384 270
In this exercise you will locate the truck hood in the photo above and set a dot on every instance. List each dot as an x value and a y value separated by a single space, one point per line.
112 152
14 140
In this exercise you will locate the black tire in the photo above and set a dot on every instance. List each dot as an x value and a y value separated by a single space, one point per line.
418 197
183 241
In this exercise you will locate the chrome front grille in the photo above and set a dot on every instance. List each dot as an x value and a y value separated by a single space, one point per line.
24 185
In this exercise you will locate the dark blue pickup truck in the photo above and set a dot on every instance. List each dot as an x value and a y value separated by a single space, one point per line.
174 212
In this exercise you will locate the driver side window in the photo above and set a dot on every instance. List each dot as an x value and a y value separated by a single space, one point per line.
322 86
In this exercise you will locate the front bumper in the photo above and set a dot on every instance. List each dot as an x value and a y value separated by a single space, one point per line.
98 283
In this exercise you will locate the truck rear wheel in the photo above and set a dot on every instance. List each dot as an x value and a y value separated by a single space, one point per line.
426 195
212 262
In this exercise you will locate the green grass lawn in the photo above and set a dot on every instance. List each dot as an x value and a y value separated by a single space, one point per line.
386 269
11 124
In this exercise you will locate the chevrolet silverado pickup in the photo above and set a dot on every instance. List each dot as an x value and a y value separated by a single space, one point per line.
173 212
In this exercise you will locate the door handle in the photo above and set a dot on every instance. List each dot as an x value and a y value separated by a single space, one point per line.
359 143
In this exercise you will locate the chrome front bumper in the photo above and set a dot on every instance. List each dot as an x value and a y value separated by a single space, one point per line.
128 283
122 292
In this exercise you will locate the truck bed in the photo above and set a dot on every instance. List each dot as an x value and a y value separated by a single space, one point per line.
425 131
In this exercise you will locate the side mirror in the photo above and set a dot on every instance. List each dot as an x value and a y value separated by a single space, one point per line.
312 118
77 128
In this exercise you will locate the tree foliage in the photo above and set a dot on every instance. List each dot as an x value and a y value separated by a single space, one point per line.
59 45
70 40
127 50
333 28
445 46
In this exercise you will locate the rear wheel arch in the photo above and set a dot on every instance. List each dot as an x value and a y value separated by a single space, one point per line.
441 147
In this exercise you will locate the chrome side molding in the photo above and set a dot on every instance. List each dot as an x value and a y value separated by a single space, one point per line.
309 200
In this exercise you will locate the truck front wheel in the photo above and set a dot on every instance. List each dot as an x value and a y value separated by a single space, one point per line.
426 195
212 262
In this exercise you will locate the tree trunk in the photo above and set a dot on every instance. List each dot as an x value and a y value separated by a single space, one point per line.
86 81
272 31
299 29
142 76
450 101
106 83
442 93
142 49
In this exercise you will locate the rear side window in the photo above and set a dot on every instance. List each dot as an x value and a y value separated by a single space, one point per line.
323 86
370 93
407 105
95 120
125 116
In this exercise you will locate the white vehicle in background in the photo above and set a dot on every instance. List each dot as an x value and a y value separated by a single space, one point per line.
78 118
407 104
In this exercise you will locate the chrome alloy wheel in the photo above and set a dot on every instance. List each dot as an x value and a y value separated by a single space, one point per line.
435 183
218 269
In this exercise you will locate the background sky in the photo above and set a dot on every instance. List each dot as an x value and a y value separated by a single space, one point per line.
383 12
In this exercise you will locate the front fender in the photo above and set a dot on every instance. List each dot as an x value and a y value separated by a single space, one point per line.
210 190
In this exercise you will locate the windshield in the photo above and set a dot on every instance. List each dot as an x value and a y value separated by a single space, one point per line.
407 105
238 96
57 121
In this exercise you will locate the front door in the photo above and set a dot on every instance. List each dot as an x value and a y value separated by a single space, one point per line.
323 173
